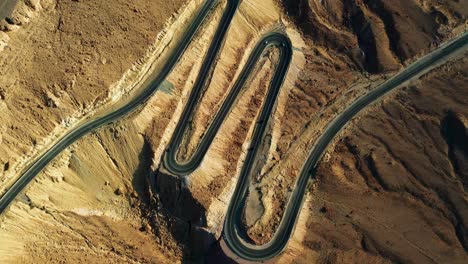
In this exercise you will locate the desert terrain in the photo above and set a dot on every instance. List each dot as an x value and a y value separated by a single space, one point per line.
390 189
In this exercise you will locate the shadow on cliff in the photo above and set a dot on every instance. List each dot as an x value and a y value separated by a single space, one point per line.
165 200
454 131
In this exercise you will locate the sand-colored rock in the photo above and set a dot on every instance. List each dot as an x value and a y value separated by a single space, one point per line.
111 197
378 35
39 105
394 188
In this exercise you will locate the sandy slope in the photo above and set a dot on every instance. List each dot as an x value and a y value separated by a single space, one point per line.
102 196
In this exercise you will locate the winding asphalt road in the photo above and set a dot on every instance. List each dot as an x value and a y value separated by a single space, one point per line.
233 234
37 165
232 229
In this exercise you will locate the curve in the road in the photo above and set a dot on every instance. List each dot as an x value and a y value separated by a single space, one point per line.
234 239
233 231
233 234
38 164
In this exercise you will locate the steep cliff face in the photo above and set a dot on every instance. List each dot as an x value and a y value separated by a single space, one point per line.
377 35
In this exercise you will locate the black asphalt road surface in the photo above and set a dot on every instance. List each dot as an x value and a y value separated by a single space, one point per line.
233 235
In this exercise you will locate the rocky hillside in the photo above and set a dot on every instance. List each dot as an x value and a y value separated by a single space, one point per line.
395 187
392 188
378 35
60 61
